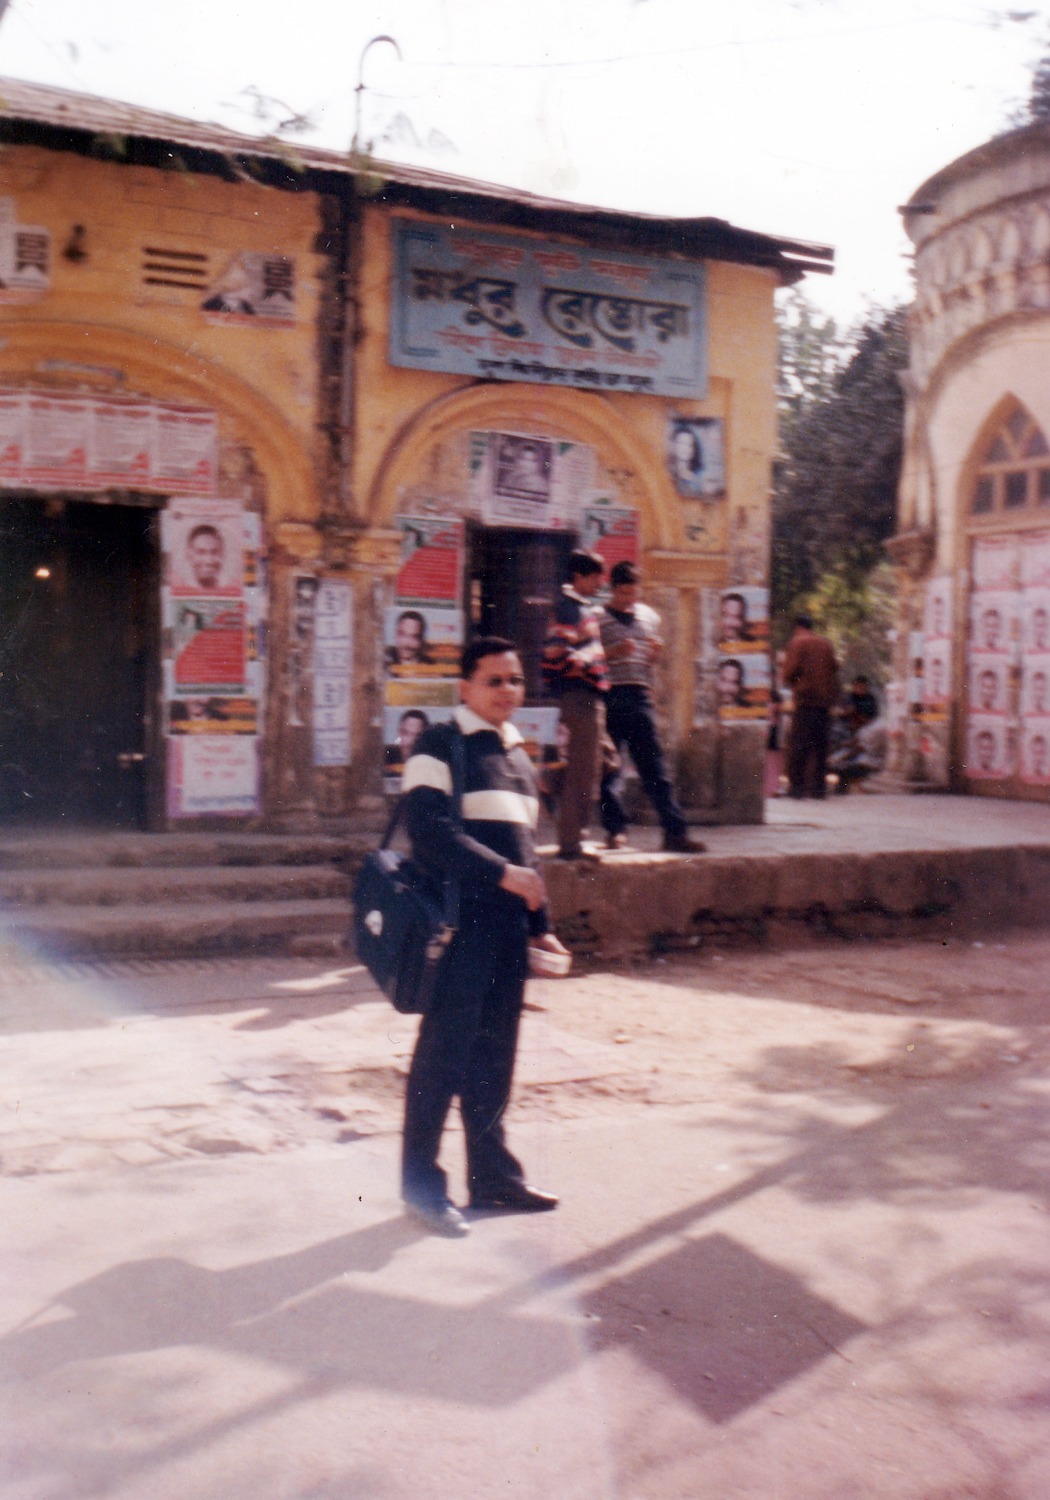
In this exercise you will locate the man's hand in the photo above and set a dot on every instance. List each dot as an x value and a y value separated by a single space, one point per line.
525 883
549 943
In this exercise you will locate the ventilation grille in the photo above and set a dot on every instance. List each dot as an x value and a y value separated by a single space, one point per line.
186 268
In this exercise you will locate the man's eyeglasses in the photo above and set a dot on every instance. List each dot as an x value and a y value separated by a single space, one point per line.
515 681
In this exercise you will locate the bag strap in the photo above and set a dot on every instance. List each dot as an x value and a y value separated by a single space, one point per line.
451 914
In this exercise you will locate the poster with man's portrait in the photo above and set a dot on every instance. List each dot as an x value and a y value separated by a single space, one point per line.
990 747
937 622
422 642
743 684
1035 687
993 622
695 456
1035 752
1036 633
204 542
989 686
743 620
402 728
936 678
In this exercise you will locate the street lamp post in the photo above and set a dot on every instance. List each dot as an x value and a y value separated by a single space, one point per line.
355 144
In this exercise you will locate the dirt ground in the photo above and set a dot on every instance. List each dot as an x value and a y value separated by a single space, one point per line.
802 1252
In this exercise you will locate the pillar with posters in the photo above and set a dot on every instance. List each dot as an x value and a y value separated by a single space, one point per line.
422 637
991 719
213 668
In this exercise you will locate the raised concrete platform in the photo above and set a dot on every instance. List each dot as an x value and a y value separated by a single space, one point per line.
858 866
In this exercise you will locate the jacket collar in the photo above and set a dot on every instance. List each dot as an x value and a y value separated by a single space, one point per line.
570 593
472 723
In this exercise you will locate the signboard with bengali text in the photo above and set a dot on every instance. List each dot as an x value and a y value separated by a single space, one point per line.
506 307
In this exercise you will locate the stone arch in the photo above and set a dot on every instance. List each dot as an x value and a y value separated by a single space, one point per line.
127 363
1006 473
573 415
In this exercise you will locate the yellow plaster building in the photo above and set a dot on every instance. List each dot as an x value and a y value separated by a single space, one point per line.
257 416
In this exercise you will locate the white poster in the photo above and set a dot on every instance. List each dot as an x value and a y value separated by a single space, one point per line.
1035 560
25 256
213 775
994 563
331 673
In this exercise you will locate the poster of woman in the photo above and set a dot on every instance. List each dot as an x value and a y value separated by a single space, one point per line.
695 458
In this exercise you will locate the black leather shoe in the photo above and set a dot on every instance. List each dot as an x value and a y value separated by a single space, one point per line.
440 1216
513 1198
683 843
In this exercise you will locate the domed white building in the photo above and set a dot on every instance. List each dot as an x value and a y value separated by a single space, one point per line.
971 705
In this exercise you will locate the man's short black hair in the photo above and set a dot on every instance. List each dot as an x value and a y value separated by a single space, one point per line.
624 572
584 564
804 622
483 645
205 528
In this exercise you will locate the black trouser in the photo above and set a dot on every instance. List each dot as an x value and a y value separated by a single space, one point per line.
807 758
629 723
466 1047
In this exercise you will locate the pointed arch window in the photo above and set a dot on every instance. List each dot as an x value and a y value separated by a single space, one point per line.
1013 471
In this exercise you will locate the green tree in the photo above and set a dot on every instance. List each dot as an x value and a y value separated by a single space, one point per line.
842 412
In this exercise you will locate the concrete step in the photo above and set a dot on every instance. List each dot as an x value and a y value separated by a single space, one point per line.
85 850
176 929
111 886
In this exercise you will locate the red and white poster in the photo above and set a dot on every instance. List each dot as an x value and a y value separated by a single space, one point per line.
13 422
121 450
612 532
185 450
210 646
431 567
53 440
56 441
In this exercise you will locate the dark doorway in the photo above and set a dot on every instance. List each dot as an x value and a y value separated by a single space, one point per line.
78 639
513 580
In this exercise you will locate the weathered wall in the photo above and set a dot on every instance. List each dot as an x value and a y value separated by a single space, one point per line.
410 450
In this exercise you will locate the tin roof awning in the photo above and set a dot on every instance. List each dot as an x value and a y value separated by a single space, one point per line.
62 118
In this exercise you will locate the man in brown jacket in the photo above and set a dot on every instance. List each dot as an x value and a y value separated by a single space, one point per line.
812 673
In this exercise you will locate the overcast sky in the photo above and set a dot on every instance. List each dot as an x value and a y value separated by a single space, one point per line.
809 118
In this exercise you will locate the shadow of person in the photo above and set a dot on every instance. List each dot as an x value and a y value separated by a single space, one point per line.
155 1303
302 1313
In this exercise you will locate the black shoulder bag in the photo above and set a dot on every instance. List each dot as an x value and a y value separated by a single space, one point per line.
403 924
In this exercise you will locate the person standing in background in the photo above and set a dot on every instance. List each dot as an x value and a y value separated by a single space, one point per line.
631 637
574 672
812 673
